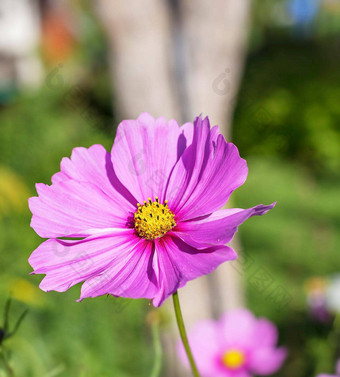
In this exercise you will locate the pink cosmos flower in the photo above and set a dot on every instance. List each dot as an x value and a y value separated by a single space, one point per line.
238 345
143 220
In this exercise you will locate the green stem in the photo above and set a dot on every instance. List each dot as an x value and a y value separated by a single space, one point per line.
157 366
183 334
8 368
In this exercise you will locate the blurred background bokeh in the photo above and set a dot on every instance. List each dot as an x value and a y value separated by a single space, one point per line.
56 93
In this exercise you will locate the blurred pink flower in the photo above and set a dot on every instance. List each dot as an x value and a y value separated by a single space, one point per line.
238 345
179 176
316 289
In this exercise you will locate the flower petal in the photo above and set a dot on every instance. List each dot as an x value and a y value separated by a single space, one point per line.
72 208
85 194
94 166
130 275
266 361
209 170
237 328
218 228
175 263
144 152
265 334
67 263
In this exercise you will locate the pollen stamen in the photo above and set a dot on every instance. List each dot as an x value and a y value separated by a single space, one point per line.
233 359
153 219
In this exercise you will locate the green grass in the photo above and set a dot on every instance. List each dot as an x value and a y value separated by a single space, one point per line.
298 239
300 236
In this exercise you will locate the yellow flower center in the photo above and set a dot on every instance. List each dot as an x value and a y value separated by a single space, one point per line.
153 220
233 359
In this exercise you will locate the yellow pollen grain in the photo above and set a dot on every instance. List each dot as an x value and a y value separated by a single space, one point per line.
233 359
153 219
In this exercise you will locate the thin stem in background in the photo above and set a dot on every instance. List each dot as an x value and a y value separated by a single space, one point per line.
183 334
157 366
17 325
8 368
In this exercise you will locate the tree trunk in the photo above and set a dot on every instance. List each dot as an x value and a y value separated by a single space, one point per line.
139 36
179 59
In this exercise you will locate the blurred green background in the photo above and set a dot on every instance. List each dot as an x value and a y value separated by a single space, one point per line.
286 125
